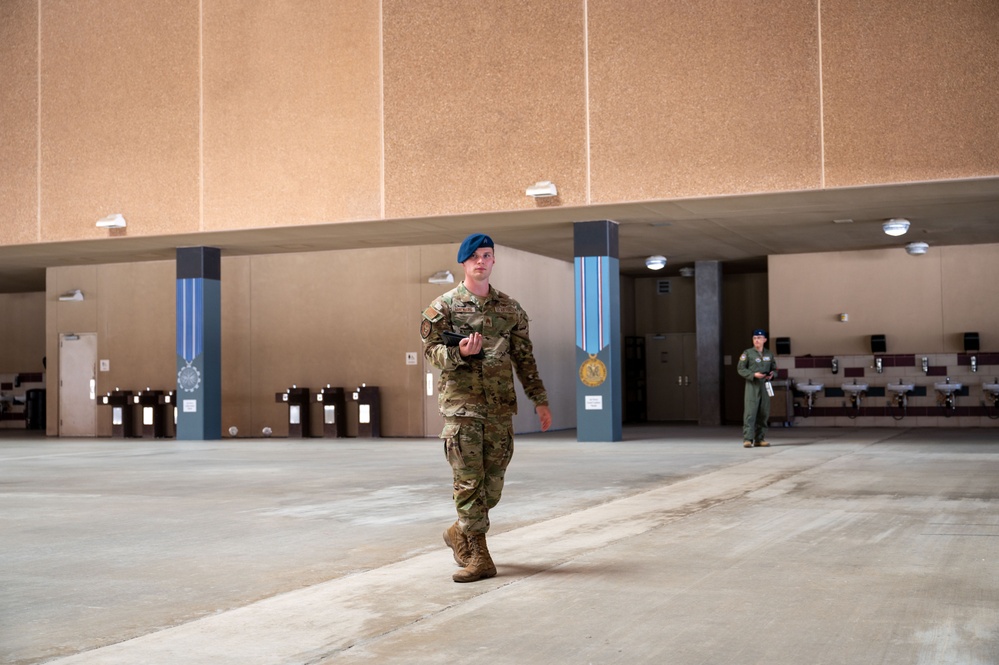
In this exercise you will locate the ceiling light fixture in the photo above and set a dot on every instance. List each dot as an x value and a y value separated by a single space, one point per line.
916 248
896 227
686 272
657 262
542 189
115 221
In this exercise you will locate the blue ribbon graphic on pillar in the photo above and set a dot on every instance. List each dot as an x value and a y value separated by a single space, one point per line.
592 323
592 287
190 330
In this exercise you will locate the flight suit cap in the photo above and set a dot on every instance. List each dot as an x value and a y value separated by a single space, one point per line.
472 243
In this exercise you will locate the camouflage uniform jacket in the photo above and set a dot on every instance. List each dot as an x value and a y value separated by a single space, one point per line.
481 388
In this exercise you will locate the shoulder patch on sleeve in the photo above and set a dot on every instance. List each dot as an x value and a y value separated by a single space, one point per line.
431 314
742 357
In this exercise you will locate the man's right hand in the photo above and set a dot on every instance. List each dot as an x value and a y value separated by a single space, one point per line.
471 345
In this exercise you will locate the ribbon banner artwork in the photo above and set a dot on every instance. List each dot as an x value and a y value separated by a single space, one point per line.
592 321
190 330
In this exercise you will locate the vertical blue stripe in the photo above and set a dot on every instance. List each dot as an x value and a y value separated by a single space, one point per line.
580 314
190 325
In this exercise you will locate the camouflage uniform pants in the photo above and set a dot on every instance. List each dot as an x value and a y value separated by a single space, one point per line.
479 450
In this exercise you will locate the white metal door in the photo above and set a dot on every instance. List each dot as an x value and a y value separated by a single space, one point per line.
77 384
432 418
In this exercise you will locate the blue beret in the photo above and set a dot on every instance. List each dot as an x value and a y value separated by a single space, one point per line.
760 331
472 243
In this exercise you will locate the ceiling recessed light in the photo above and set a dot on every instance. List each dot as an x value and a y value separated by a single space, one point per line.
657 262
896 227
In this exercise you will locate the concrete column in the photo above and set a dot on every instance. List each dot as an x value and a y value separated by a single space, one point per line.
708 312
199 343
599 410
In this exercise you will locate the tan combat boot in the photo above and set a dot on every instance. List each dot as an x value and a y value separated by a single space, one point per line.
480 564
456 540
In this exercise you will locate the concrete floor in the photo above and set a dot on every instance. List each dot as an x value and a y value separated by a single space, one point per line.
674 546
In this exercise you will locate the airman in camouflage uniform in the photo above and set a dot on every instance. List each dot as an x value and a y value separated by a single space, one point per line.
757 366
476 396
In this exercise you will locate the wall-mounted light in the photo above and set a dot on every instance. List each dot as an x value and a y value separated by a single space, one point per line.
542 189
896 226
916 248
75 295
442 277
657 262
115 221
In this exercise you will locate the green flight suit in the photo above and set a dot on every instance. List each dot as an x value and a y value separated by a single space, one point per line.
477 396
756 408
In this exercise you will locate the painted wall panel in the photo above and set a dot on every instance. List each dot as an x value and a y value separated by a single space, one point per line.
18 123
482 99
292 122
119 117
909 90
699 98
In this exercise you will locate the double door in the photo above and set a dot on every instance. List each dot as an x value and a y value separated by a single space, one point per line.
671 371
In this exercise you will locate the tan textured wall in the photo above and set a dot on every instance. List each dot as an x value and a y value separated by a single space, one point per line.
22 331
292 119
909 90
137 309
18 122
885 292
238 369
703 98
482 99
119 116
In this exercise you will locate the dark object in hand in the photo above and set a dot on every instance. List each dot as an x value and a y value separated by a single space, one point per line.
454 339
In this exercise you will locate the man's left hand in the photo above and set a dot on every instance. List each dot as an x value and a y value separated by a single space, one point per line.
545 416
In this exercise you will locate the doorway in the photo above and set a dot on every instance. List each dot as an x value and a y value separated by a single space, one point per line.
671 375
78 384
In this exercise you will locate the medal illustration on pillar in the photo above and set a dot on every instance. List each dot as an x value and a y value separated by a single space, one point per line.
190 333
593 371
188 378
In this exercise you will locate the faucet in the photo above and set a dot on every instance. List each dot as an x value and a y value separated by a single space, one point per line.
994 396
901 399
855 397
948 400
